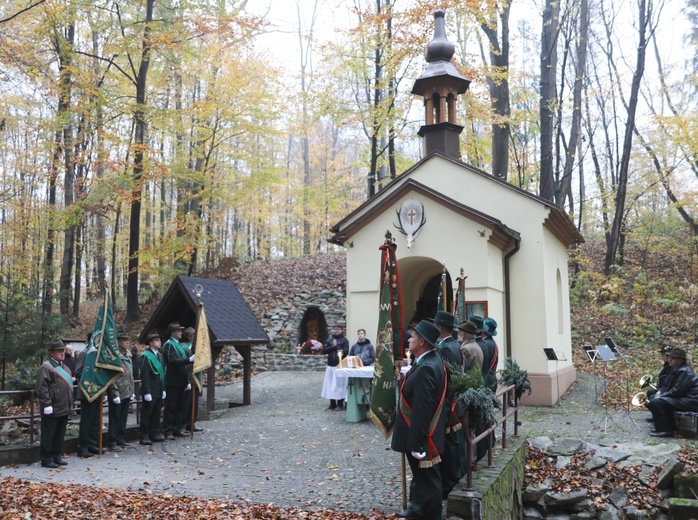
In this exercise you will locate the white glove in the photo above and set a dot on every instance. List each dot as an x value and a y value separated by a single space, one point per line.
191 358
117 400
418 456
188 387
133 397
48 410
148 397
164 394
104 399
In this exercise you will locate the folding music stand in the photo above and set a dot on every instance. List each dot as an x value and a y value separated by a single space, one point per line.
556 356
615 349
590 352
605 354
592 355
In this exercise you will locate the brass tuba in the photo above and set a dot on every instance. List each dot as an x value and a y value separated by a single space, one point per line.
640 399
647 380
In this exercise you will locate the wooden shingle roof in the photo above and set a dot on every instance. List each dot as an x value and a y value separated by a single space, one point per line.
230 319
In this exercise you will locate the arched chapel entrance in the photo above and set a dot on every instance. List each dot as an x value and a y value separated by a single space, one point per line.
420 278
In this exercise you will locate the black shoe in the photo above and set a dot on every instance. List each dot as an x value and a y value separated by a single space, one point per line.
649 419
198 429
84 454
406 513
125 444
159 438
339 409
181 434
49 465
61 462
116 447
92 449
330 408
661 434
146 442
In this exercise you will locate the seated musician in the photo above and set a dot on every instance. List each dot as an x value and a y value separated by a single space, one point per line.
679 395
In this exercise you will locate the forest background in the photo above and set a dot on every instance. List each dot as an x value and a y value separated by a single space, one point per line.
145 139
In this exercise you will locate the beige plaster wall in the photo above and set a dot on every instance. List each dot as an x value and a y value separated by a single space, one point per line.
419 264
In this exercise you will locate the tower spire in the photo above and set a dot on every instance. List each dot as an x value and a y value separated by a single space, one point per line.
440 85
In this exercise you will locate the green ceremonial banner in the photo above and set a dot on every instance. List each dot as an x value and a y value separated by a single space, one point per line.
460 311
388 344
103 361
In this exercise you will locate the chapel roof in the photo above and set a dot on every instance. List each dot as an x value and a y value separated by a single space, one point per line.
230 320
557 222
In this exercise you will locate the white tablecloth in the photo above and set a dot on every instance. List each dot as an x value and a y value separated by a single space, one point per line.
342 375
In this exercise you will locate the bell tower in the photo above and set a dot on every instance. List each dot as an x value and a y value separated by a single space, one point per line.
440 85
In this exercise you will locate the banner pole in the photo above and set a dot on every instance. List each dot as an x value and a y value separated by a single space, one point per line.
101 423
404 481
193 375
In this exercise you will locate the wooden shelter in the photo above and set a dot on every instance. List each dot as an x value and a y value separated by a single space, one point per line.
230 323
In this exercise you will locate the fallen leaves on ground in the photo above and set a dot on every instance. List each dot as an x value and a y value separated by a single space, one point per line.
689 457
540 469
24 499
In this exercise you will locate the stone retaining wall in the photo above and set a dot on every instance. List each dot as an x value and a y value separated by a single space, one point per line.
497 490
295 362
281 323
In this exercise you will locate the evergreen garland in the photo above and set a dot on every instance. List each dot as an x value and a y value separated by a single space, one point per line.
469 388
513 375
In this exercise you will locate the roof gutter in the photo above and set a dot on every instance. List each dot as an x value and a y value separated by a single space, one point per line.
507 293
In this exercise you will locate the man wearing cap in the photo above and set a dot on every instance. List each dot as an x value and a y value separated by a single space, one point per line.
120 393
453 460
175 360
484 347
467 331
152 390
663 376
489 330
194 392
54 389
420 425
681 395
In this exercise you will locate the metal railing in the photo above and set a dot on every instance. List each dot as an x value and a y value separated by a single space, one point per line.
34 415
510 406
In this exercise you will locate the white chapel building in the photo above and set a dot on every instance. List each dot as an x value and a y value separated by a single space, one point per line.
510 244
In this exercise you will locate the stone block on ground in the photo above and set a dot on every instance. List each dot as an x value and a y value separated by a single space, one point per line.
565 446
619 497
682 509
533 494
686 486
560 500
672 467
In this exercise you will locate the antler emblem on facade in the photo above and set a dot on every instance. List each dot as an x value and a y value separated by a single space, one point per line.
411 219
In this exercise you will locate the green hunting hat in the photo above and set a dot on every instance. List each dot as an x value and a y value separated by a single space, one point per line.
489 326
56 344
477 321
122 334
678 353
189 331
444 318
174 326
428 331
665 349
152 335
468 326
